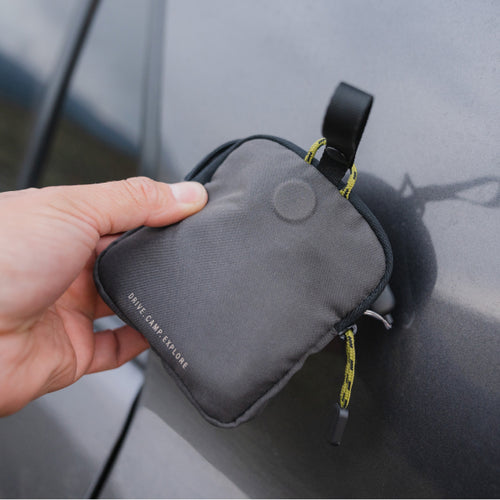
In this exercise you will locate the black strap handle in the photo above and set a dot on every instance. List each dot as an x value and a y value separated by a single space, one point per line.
343 126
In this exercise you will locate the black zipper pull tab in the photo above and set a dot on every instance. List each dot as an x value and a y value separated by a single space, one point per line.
338 425
341 412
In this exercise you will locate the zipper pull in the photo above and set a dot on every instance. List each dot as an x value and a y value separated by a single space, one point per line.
338 425
341 412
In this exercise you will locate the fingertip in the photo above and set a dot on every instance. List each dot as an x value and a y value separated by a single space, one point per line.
189 193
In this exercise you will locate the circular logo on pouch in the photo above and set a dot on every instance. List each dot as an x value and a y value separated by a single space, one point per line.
294 200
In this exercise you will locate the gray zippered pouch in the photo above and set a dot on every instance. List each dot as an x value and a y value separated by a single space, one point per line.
234 298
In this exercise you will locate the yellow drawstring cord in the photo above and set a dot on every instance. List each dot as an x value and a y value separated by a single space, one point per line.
345 392
346 190
342 413
314 149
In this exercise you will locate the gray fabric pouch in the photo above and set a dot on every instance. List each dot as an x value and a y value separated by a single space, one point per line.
236 297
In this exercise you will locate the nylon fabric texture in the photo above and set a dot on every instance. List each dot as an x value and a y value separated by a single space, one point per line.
237 296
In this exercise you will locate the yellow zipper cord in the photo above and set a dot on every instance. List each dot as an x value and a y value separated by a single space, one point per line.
345 392
314 149
346 190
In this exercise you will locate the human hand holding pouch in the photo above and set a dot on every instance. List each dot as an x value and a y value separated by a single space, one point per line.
283 258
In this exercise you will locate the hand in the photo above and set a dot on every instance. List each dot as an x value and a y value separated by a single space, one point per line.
49 240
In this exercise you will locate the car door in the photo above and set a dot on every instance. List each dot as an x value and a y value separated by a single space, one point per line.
425 406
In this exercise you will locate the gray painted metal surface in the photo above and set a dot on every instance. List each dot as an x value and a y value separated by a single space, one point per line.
57 445
54 94
426 405
425 408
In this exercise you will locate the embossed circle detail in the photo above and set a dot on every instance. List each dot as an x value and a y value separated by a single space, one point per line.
294 200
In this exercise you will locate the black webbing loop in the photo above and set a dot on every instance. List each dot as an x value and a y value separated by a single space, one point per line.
343 126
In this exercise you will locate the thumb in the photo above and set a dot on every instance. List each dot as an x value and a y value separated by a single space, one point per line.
114 207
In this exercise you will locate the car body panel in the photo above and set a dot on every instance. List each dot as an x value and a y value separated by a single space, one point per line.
425 407
57 446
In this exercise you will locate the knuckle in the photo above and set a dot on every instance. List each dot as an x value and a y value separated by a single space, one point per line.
142 190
